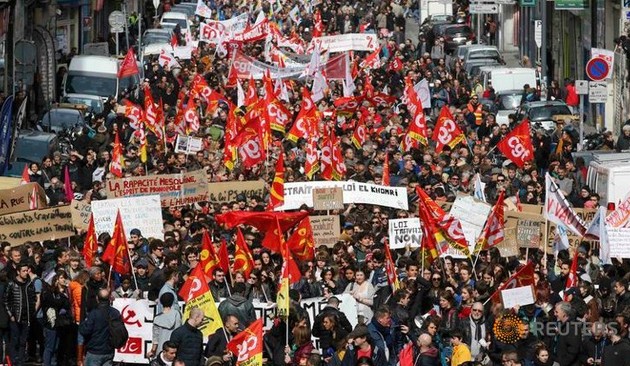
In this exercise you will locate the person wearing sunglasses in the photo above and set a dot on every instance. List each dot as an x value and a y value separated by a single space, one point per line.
475 330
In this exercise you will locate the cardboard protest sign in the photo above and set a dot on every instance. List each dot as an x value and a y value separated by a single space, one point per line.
328 199
472 213
81 212
224 192
403 232
36 225
174 189
19 198
528 233
143 213
508 247
326 229
518 296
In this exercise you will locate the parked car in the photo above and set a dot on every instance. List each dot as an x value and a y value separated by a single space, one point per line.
434 19
31 147
62 117
93 103
456 35
541 114
507 102
481 52
156 35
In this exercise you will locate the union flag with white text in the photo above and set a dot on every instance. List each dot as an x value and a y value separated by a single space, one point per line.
517 145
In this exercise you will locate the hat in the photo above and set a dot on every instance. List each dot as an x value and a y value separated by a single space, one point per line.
359 331
135 232
582 250
348 225
142 263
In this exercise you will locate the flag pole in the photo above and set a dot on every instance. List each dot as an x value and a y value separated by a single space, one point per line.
109 277
135 280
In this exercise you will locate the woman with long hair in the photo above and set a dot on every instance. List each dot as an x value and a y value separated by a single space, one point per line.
448 311
58 321
301 346
259 290
76 289
363 292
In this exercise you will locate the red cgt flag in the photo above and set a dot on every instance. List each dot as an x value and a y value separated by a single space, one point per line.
243 261
247 346
447 132
128 67
117 254
116 166
276 193
195 285
517 145
493 231
224 259
90 246
524 277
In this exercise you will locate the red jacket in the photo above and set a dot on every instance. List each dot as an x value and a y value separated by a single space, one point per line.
572 97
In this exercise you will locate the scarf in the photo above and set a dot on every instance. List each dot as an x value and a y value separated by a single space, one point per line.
478 329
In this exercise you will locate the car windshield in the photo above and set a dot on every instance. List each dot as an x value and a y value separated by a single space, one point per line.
91 85
457 30
152 38
181 22
95 105
479 54
511 101
546 113
62 118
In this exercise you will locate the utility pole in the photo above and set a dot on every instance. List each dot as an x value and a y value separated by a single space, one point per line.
543 53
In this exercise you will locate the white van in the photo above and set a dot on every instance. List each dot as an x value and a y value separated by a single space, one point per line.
609 178
96 75
173 17
504 78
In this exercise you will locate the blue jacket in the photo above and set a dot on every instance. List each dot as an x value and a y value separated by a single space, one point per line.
95 330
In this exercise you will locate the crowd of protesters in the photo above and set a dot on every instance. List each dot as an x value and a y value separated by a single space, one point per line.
443 308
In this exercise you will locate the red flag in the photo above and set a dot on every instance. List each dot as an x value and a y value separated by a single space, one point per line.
117 163
293 269
191 116
117 254
224 259
67 185
134 113
26 178
33 199
429 245
517 145
318 26
128 67
390 268
406 355
446 131
276 193
247 346
306 121
524 277
208 257
418 128
396 64
373 60
152 115
195 285
572 278
90 246
360 134
312 164
301 242
250 142
243 261
251 97
174 41
493 231
385 181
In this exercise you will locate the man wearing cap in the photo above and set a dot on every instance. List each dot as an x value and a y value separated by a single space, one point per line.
358 347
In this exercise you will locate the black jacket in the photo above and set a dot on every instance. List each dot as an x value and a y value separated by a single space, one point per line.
240 307
430 357
617 354
189 341
20 299
567 344
60 302
95 330
216 345
593 348
623 302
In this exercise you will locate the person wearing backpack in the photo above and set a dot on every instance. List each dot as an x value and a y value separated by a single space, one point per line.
97 330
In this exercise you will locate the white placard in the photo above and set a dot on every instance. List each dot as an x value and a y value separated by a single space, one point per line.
188 144
598 92
297 194
618 239
405 231
144 213
520 296
345 42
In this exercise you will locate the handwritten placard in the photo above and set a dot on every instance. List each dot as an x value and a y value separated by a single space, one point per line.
225 192
81 212
326 229
36 225
528 233
508 247
143 213
403 232
19 198
330 198
618 239
520 296
174 189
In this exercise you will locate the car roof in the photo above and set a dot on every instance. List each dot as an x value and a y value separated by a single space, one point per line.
83 96
508 92
544 103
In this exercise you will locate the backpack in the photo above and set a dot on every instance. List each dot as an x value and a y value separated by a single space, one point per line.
118 334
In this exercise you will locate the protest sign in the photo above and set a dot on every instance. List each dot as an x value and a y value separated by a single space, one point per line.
585 215
19 198
403 232
297 194
138 318
528 233
326 229
618 239
472 213
174 189
620 216
328 199
188 144
518 296
81 212
225 192
37 225
345 42
143 213
508 247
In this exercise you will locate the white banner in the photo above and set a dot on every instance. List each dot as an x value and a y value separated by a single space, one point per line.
472 214
345 42
300 193
144 213
138 317
558 210
618 239
422 88
403 232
